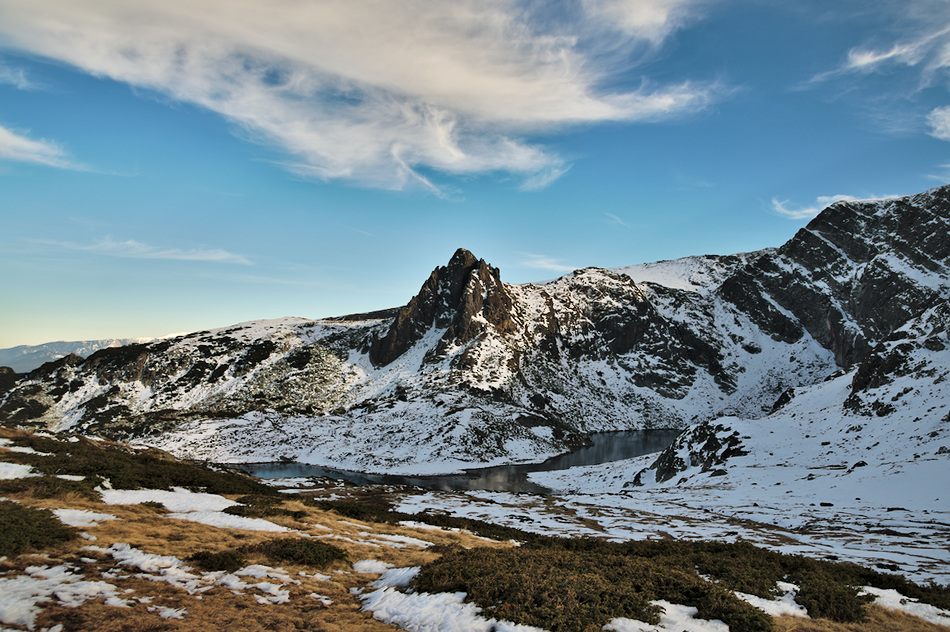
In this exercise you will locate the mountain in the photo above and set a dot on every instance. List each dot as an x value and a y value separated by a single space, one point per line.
871 282
25 358
475 371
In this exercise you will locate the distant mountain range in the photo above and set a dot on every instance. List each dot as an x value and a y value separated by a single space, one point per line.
25 358
475 371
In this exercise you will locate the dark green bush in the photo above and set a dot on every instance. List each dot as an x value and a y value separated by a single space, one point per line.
27 529
305 551
228 560
564 590
823 597
359 511
263 511
376 513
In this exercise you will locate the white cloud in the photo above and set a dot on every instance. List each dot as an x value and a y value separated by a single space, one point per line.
372 91
807 212
939 121
651 20
543 179
131 249
544 262
19 148
15 77
614 219
927 45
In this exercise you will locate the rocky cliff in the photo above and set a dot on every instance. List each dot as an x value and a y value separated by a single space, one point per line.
870 282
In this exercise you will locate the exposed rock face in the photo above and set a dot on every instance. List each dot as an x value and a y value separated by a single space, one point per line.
857 272
870 282
474 370
464 298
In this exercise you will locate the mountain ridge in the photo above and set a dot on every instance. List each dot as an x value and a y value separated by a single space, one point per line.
475 371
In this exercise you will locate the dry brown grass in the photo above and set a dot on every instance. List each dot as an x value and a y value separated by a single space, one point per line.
218 609
146 528
879 620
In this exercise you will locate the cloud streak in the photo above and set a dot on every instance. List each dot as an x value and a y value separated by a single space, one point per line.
19 148
923 53
927 45
373 91
544 262
782 208
15 77
131 249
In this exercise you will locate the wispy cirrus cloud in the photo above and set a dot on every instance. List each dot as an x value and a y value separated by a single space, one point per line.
15 77
19 148
782 207
615 220
920 51
132 249
943 175
373 91
544 262
925 43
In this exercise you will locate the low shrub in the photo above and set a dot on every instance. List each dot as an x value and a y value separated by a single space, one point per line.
823 597
27 529
359 511
228 560
367 512
47 487
302 551
258 506
563 590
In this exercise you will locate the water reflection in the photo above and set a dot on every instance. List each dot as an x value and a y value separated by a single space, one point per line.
607 446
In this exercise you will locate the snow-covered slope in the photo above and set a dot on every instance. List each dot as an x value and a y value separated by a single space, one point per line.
474 371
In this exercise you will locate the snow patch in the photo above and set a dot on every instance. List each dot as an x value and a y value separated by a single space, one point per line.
81 517
22 596
675 618
10 471
893 600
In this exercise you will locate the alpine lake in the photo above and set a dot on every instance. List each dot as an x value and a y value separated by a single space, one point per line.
606 447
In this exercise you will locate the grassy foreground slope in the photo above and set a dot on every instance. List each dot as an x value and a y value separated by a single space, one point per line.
244 556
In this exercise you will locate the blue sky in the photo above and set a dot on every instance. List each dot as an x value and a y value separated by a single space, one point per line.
169 166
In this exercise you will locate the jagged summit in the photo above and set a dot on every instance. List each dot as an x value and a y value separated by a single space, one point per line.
463 297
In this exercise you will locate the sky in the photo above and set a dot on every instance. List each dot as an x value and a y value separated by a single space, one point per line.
168 166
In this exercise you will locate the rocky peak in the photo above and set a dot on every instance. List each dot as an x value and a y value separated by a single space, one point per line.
463 297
